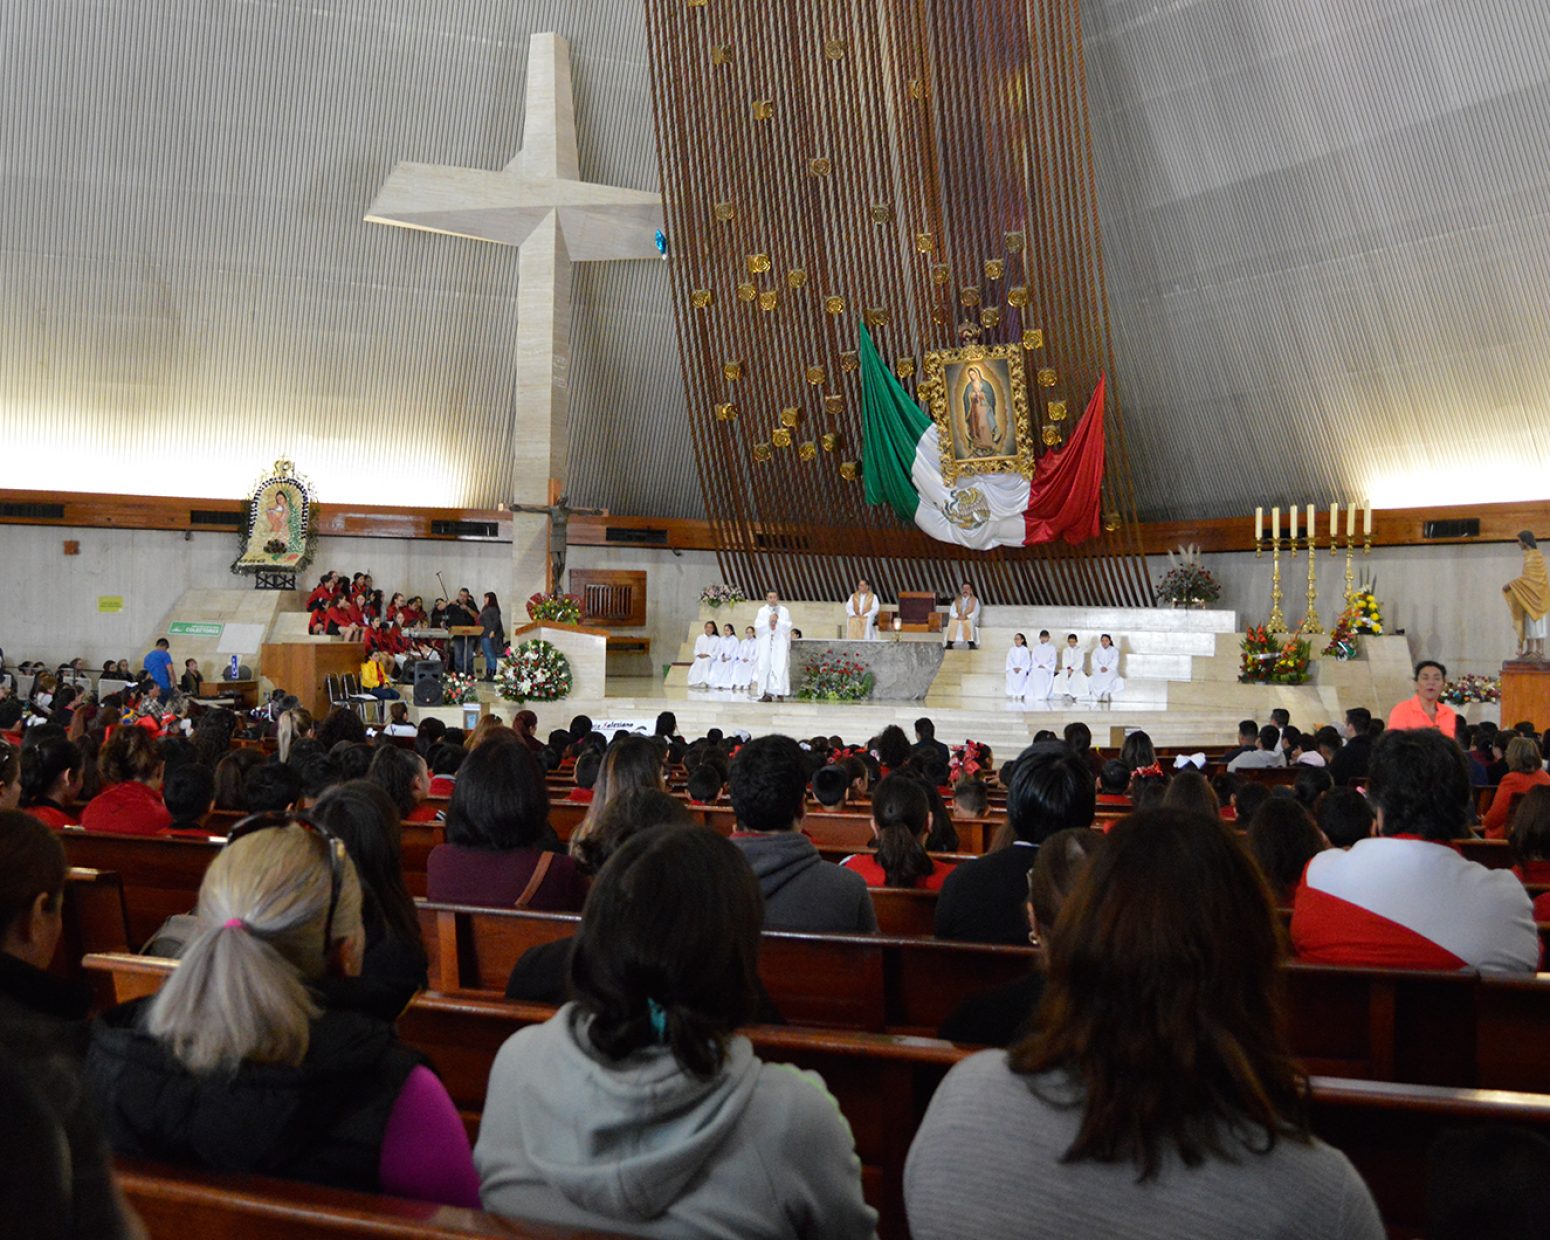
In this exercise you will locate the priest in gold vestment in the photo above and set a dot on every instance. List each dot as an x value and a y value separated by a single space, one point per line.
1528 599
861 614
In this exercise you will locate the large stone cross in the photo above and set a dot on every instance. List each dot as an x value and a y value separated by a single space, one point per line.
538 203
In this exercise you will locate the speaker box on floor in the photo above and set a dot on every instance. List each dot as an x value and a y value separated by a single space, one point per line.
427 682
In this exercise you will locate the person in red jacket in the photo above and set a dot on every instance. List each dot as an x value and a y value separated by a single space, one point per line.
901 820
1531 846
130 802
1525 770
1407 899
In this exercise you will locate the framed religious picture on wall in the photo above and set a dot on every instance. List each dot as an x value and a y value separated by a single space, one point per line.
979 402
279 533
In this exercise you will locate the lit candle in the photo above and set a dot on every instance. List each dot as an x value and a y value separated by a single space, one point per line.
1259 525
1292 514
1313 526
1367 519
1350 521
1275 523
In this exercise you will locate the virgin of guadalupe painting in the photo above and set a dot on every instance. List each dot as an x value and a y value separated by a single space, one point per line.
279 523
980 405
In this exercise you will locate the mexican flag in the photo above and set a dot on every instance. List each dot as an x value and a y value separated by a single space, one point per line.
901 464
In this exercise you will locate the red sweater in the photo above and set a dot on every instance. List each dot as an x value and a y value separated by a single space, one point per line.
129 808
1535 872
52 815
1513 783
865 864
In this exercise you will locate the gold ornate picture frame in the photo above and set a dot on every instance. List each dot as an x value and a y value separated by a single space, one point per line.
978 397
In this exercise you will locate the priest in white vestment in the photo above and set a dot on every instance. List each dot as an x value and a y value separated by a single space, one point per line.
725 659
963 619
705 646
1019 662
1041 681
1105 681
1073 669
861 614
772 662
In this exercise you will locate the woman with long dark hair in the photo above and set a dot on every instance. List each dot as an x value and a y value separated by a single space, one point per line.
394 967
901 819
1157 1094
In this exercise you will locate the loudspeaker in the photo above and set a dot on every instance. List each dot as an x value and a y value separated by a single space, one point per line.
1463 527
427 682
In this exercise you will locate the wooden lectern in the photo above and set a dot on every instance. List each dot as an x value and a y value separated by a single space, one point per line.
303 668
1526 692
917 614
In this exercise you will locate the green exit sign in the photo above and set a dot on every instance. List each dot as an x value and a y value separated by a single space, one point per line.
187 628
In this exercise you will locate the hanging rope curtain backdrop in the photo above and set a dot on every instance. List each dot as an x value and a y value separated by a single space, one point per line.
924 167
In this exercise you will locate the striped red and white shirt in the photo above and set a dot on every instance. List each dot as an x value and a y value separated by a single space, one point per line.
1401 902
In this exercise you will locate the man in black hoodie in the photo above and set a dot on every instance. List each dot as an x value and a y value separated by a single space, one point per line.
768 788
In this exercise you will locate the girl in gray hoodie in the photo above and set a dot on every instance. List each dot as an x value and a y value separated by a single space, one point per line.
636 1108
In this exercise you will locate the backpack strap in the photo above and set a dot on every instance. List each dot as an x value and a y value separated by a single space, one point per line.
540 870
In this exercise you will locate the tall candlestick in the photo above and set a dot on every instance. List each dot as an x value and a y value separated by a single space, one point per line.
1310 622
1367 519
1275 523
1259 524
1277 621
1350 522
1334 526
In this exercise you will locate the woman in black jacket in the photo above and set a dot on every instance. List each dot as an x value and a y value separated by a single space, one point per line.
494 636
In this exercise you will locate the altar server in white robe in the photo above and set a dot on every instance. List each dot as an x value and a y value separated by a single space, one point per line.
705 646
725 659
1019 662
963 619
1073 673
1105 681
1041 681
861 614
772 661
747 653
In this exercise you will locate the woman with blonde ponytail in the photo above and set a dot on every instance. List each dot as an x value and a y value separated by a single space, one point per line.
238 1065
295 724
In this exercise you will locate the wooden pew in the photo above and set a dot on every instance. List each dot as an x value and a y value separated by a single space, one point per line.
177 1202
93 918
883 1085
1386 1131
904 912
1493 854
843 981
160 876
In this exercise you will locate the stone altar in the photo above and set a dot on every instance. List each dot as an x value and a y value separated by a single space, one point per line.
902 671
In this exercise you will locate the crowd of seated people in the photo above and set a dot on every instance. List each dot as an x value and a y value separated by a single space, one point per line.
1160 924
391 629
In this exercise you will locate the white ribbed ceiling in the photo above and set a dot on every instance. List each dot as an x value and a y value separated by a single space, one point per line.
1325 221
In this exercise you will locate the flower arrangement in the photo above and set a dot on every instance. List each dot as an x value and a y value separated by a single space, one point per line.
1268 661
722 596
557 608
458 690
535 671
1188 582
834 679
1369 616
1344 643
1471 688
